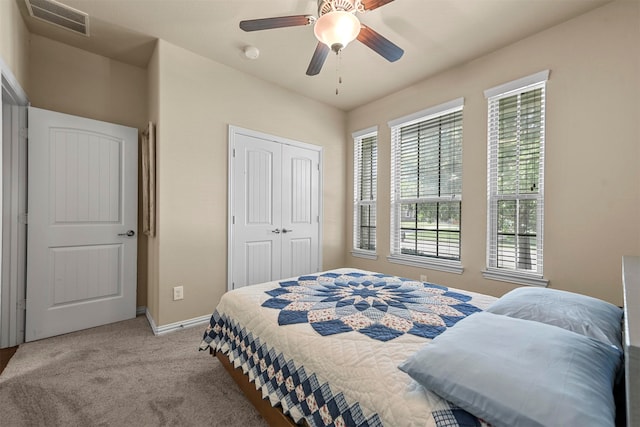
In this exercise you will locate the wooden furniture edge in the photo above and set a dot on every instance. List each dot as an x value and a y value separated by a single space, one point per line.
5 355
273 415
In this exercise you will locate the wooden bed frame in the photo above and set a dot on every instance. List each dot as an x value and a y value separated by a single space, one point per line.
273 415
631 284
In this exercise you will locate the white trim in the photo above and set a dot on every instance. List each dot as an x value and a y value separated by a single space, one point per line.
13 84
364 254
12 288
447 266
230 183
518 84
171 327
141 310
631 344
437 110
233 130
320 202
151 322
365 132
512 277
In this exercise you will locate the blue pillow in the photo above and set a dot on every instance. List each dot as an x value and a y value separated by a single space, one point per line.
512 372
578 313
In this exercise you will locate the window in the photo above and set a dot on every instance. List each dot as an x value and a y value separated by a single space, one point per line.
426 187
516 130
365 170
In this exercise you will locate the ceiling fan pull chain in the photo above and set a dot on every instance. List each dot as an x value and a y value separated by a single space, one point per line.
338 69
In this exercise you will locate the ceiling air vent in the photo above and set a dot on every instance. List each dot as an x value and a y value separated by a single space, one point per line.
60 15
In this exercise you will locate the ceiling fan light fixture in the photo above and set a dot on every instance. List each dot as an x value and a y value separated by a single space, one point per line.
337 29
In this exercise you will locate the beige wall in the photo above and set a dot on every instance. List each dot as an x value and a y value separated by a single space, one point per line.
198 99
14 42
73 81
592 175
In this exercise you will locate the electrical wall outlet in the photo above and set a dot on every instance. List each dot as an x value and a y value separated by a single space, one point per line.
423 277
178 293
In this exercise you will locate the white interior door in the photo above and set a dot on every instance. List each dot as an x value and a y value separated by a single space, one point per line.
82 244
300 213
274 200
257 197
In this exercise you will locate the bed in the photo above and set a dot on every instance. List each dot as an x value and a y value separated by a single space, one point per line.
360 348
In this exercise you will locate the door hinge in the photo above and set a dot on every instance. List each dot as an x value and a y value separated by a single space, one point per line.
234 152
23 218
22 305
233 285
233 219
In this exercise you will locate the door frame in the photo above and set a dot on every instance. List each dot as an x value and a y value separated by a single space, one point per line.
236 130
13 261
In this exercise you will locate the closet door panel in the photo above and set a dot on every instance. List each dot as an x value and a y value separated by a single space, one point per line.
300 210
257 206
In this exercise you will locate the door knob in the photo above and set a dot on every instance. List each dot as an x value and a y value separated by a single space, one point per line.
277 231
129 233
284 230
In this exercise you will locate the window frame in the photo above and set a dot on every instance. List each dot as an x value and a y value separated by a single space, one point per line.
494 95
358 200
396 256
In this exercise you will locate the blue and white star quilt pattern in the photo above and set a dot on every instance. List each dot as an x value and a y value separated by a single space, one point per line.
326 346
379 306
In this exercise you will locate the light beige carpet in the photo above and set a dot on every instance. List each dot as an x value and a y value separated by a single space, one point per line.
121 375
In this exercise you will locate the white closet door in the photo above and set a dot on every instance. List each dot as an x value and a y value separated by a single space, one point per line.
257 198
274 199
300 215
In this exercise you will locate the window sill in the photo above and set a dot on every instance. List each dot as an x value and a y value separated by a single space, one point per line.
430 263
364 254
514 277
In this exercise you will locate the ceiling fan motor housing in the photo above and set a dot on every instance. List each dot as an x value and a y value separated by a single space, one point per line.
326 6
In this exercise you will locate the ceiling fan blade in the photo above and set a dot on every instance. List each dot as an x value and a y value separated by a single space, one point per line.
379 44
374 4
318 58
278 22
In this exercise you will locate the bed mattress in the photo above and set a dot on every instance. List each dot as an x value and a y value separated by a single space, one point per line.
326 346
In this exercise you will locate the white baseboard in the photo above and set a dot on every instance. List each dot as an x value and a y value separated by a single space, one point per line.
164 329
141 310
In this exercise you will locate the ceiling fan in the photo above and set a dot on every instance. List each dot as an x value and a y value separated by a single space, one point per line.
335 26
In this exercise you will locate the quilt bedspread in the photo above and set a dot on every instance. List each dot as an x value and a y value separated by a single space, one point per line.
326 346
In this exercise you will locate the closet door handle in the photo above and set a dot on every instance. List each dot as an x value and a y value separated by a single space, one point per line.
284 230
276 231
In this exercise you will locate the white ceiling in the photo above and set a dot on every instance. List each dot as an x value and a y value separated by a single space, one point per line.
435 35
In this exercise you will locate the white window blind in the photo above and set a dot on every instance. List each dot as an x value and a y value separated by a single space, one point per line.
516 137
426 185
365 187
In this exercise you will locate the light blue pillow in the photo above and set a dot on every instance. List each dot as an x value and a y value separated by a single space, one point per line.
512 372
578 313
